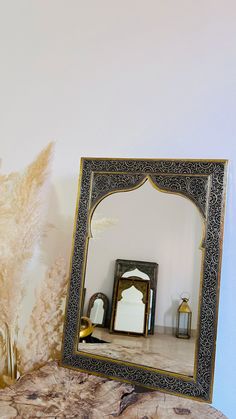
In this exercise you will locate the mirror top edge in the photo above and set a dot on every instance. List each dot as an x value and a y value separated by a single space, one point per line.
201 160
136 262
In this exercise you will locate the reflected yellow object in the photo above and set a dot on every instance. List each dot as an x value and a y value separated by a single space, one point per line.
86 327
184 307
184 318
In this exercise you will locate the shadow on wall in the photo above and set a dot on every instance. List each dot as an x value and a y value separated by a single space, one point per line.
170 315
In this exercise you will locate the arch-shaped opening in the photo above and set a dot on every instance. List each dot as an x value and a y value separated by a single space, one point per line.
136 272
130 312
97 311
150 225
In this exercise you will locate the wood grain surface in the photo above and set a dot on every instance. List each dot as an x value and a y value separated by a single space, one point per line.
56 392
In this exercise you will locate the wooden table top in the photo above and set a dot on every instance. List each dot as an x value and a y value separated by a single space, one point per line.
56 392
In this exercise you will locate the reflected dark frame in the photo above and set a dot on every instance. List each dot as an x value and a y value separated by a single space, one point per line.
203 182
124 266
119 286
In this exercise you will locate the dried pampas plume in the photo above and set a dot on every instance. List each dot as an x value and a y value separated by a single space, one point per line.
21 221
2 357
43 334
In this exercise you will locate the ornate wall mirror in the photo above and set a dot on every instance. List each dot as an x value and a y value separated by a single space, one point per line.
169 212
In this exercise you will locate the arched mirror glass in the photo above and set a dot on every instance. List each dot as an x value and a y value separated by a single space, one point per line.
136 272
97 311
130 312
152 277
150 225
131 306
159 223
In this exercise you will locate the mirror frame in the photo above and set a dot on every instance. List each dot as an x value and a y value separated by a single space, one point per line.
203 182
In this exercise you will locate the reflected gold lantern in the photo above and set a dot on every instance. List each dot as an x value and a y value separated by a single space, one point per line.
184 318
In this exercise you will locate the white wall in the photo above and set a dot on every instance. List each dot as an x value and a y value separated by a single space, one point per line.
155 227
128 78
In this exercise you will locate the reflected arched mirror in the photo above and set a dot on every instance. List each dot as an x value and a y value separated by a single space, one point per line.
147 271
98 308
130 306
137 217
97 311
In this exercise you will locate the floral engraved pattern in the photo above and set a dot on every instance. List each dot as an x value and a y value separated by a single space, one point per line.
194 187
204 183
104 184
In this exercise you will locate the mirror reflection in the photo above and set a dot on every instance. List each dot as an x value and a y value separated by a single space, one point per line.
97 309
161 229
124 269
97 312
130 306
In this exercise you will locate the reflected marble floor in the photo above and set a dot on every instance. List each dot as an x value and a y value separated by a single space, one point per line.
158 351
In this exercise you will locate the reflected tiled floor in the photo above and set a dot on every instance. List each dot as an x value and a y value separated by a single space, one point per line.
158 351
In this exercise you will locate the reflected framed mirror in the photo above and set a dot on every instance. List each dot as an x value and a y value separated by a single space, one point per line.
145 270
98 308
130 306
169 212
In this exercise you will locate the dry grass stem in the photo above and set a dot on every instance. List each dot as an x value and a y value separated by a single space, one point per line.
22 199
43 334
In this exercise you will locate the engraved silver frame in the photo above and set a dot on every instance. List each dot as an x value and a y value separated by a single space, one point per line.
202 181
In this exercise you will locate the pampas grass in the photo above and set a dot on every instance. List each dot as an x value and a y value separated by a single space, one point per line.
2 357
43 334
22 198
